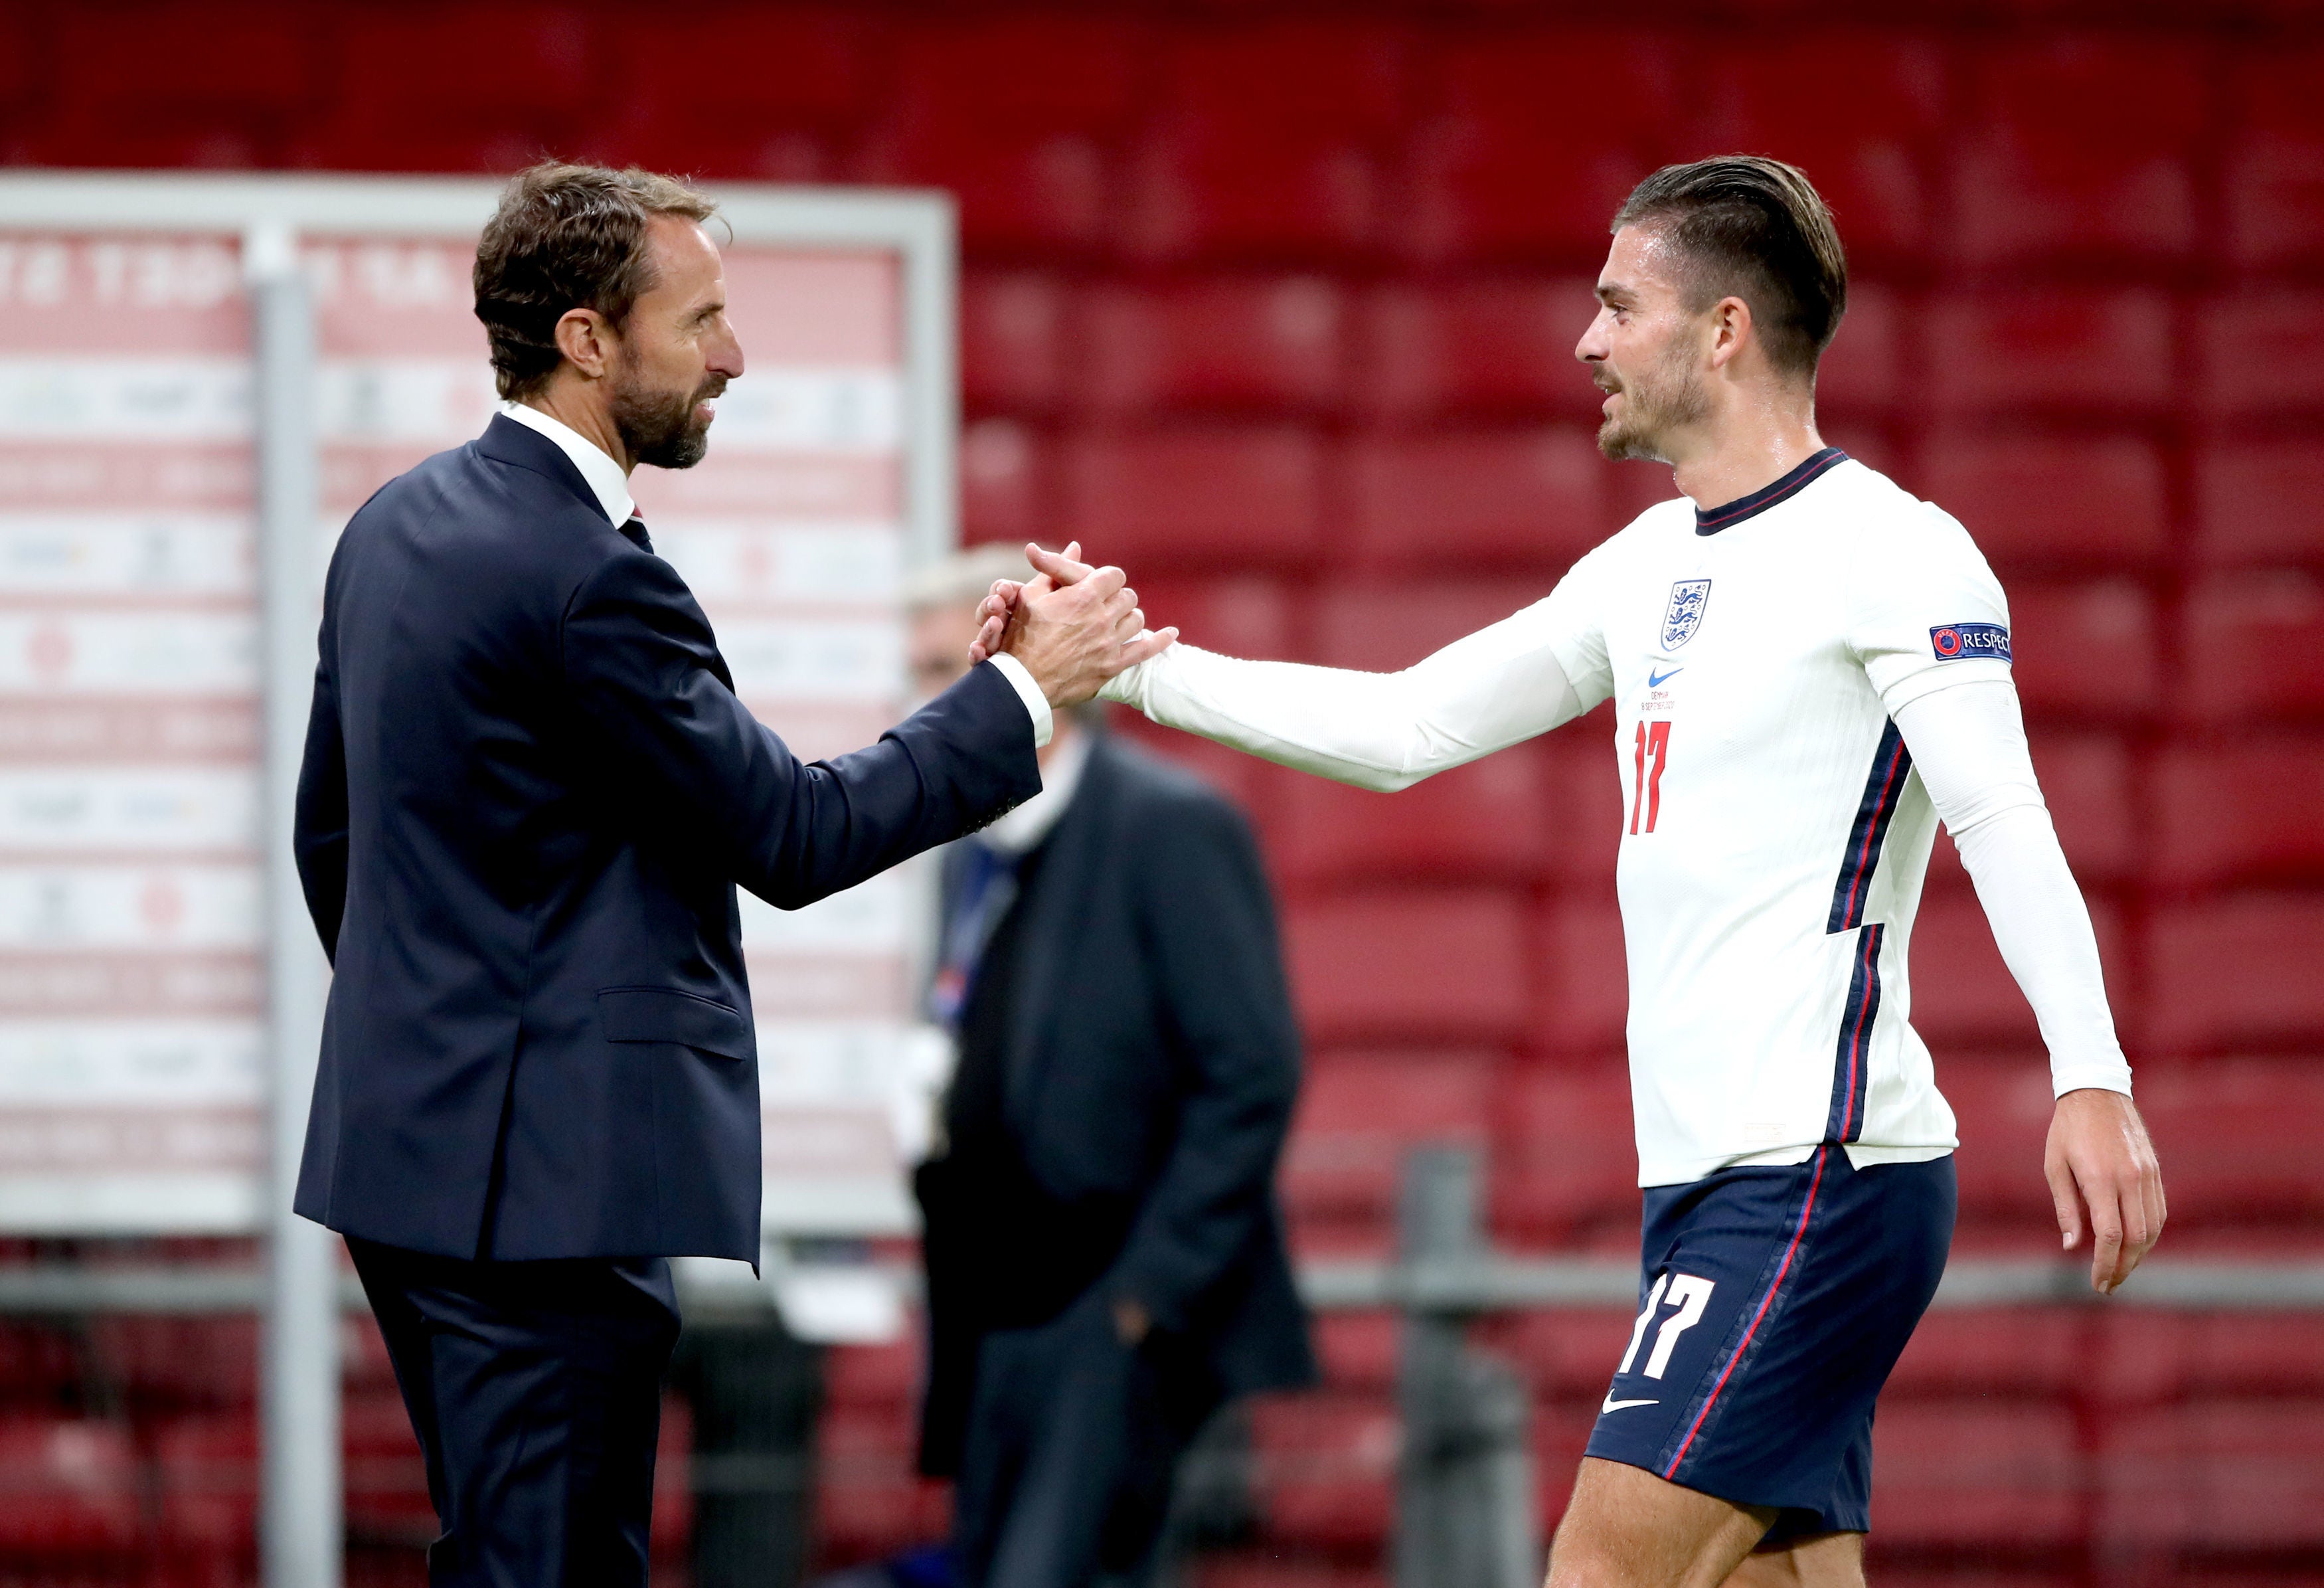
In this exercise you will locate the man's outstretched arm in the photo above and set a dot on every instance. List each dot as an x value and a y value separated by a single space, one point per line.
1969 742
1381 731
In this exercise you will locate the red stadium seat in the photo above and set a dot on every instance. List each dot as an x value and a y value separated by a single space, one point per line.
206 85
2234 971
1566 1157
1015 115
1586 801
1962 993
2259 503
40 1365
1376 628
1585 998
2086 782
1263 1565
1857 112
1238 614
1007 483
2051 348
2257 648
1361 1113
1963 1476
1530 498
1507 165
2079 147
2018 1353
456 90
2274 174
1268 145
883 1377
870 1499
2240 811
1196 497
2040 501
1358 1350
2171 1355
2234 1137
2086 650
2262 353
1487 821
1326 1468
1273 343
1564 1355
2002 1104
73 1491
1479 347
175 1362
1012 332
1863 370
2242 1476
206 1469
784 119
1425 966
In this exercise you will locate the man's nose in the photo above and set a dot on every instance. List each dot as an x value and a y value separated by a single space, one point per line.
726 356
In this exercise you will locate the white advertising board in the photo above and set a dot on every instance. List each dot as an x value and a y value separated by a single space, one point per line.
135 941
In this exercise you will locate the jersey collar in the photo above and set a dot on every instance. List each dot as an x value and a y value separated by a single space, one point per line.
1711 520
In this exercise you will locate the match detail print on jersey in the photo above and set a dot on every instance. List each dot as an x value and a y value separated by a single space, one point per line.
1951 642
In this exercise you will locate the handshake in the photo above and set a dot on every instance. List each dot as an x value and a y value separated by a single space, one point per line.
1071 627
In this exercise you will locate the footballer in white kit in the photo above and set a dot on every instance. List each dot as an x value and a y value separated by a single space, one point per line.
1808 674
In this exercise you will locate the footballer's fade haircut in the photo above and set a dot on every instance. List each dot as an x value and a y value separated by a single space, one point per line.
1753 228
564 237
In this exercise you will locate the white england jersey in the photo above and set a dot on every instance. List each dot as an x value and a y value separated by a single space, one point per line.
1775 834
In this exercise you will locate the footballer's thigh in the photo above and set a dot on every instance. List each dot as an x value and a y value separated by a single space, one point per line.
1624 1527
1828 1560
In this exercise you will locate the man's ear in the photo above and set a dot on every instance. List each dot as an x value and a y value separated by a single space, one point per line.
585 339
1730 329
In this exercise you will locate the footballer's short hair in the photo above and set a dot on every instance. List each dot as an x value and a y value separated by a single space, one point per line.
1753 228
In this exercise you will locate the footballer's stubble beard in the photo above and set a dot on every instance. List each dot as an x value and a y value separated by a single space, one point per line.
1665 396
659 426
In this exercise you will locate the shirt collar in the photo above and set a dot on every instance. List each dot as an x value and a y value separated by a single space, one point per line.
1712 520
1020 831
603 475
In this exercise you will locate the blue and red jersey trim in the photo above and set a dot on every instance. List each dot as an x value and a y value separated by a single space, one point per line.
1711 520
1891 762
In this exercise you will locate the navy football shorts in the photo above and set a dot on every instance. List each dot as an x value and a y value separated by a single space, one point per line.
1773 1304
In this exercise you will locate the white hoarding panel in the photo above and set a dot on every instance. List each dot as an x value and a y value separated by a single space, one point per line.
133 944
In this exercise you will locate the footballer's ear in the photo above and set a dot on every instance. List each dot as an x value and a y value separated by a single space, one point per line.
1730 329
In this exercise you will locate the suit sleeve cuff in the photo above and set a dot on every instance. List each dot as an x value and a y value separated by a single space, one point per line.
1037 704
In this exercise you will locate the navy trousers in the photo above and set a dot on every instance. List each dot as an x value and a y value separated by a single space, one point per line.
535 1389
1072 1440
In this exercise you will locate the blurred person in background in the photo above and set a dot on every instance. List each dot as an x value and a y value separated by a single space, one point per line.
1810 668
1105 1256
528 795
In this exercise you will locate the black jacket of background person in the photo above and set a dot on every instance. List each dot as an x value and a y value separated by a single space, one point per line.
1148 1068
528 795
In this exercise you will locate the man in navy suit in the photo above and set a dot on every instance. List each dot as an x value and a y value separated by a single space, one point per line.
529 795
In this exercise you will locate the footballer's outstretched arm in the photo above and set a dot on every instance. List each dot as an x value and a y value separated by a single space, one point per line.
1969 742
1381 731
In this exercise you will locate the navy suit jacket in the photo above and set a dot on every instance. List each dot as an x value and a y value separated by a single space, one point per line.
528 795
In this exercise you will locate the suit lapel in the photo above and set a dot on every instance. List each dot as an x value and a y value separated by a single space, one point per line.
1077 849
506 441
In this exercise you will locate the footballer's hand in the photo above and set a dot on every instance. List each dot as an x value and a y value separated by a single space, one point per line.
1006 611
1072 637
2105 1181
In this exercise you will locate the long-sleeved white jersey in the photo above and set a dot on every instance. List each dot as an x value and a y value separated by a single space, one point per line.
1775 663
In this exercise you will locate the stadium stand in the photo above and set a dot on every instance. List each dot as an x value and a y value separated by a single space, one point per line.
1274 305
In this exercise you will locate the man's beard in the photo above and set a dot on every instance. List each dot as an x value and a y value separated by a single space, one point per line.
1667 397
660 428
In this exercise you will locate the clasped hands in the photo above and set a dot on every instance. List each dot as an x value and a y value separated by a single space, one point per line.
1072 627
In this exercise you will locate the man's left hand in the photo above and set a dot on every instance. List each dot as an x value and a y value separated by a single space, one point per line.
1131 1321
2105 1181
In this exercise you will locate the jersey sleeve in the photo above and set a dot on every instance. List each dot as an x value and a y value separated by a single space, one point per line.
1386 731
1925 611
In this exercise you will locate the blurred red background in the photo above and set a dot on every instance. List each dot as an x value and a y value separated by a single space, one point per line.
1274 304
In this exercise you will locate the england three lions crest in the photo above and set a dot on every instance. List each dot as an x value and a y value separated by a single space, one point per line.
1683 615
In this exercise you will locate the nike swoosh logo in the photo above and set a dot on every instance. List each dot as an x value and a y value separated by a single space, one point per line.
1656 680
1614 1405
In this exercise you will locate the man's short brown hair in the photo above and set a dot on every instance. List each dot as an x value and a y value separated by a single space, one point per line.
1752 228
564 237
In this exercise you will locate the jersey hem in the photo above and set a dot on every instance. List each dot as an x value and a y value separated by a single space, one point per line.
1859 1154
